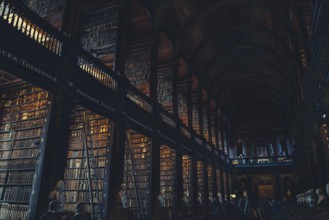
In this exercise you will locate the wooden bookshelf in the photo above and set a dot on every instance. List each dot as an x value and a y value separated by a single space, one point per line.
219 181
182 104
24 114
90 138
99 32
219 134
167 174
137 173
137 66
225 184
210 174
165 88
200 179
213 129
195 115
205 122
187 173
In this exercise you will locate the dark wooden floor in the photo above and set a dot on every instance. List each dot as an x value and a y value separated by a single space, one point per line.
292 212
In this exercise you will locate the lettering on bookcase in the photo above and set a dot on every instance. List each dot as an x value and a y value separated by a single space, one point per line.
90 97
28 65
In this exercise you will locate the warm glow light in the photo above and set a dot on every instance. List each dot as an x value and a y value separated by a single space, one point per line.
30 29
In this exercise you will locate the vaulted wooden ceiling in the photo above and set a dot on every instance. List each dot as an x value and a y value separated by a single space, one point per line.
240 51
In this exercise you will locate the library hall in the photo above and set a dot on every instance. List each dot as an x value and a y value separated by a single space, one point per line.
164 110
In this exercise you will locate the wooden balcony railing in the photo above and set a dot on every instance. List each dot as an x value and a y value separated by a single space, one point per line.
94 67
29 23
23 20
247 161
139 98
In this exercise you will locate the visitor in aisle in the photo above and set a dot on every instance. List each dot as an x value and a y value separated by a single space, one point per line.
52 213
80 213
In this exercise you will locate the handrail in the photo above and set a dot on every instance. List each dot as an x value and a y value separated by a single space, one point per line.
139 98
29 23
185 130
167 118
35 28
96 68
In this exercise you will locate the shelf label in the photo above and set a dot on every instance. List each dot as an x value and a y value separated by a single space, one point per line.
90 97
28 65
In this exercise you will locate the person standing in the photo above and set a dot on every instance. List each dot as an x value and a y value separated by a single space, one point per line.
52 213
80 213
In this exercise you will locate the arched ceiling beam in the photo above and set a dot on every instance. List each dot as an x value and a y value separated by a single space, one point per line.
235 99
229 84
210 83
228 3
221 55
269 90
220 33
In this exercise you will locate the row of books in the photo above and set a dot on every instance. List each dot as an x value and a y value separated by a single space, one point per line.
218 180
45 7
23 111
21 124
14 118
167 173
13 211
195 114
164 79
19 163
82 196
19 177
100 28
205 123
137 68
210 174
79 144
187 173
182 104
200 178
81 173
23 91
137 177
17 193
84 140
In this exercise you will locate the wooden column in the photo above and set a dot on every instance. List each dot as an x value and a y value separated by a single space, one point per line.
175 91
189 103
55 151
116 171
121 43
116 166
71 18
153 67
